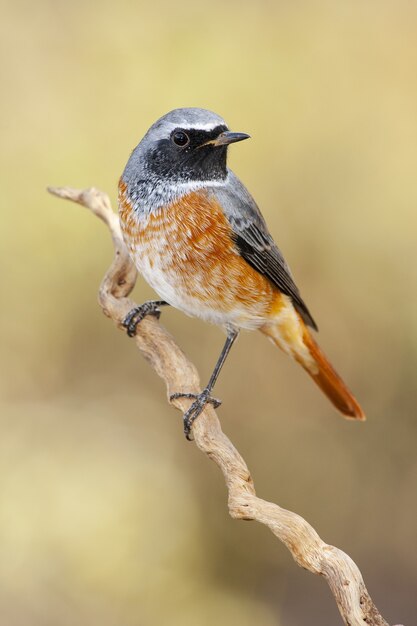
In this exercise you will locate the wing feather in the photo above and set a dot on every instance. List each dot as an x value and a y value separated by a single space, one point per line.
256 244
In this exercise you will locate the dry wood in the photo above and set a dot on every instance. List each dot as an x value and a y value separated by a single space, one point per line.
171 364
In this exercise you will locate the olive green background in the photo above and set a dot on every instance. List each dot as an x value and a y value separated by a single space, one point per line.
107 515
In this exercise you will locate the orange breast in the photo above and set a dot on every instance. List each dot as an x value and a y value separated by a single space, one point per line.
191 242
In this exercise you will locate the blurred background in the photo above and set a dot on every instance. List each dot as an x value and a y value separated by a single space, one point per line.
107 515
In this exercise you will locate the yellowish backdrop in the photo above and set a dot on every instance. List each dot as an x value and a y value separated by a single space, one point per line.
107 515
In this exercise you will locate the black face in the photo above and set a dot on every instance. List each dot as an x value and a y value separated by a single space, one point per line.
183 156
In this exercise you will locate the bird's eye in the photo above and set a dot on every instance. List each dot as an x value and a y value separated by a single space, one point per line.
180 138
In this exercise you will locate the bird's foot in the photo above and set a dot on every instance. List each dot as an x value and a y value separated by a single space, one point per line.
136 315
200 401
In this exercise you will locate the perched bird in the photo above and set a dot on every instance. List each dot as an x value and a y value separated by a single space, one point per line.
197 236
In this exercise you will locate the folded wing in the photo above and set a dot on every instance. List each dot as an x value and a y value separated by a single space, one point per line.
256 244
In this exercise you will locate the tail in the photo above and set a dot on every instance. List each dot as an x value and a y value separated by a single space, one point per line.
292 336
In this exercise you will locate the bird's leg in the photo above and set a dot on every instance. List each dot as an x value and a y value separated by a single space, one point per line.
136 315
203 398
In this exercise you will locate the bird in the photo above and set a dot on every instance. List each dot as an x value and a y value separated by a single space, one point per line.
199 239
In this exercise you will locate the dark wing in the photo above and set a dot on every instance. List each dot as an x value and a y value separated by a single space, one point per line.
262 254
255 243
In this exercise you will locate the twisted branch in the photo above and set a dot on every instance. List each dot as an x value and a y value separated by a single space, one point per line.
171 364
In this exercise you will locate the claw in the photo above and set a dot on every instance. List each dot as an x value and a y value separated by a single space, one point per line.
200 401
136 315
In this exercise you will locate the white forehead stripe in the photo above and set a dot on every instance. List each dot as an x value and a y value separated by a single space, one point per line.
208 126
197 126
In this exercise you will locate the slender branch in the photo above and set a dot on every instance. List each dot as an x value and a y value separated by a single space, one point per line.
179 374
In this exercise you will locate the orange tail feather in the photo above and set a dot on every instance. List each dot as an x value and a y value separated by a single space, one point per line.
330 382
295 339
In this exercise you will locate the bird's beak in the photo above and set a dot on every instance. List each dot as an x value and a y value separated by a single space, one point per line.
225 138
